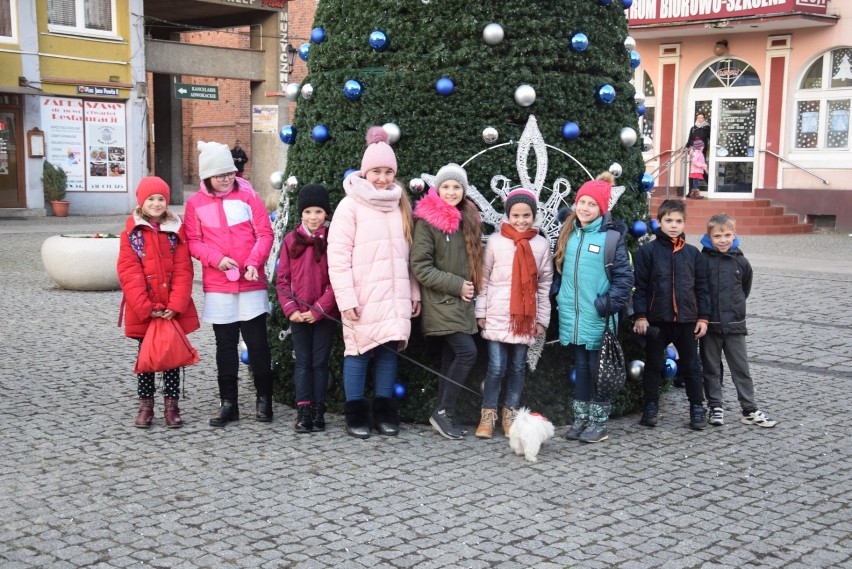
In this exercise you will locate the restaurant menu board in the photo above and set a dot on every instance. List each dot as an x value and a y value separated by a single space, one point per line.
735 128
88 139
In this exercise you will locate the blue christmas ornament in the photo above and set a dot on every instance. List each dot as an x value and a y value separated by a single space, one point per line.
320 133
635 60
378 40
604 2
647 182
352 90
445 86
244 357
626 4
398 390
655 225
347 172
671 353
606 94
579 42
273 215
671 368
304 50
639 228
640 110
570 130
572 376
288 134
276 266
317 35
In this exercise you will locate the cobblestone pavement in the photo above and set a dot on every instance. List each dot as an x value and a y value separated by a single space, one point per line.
82 488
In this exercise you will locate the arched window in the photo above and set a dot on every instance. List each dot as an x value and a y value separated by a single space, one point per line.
646 122
728 73
823 102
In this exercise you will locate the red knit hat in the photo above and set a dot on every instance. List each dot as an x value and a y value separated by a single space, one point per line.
598 190
379 154
150 185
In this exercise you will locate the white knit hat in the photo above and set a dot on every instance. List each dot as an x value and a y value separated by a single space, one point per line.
215 159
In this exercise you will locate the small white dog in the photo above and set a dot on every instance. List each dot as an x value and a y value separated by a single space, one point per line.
528 432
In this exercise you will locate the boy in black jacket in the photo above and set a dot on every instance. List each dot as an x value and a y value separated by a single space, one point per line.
671 300
730 284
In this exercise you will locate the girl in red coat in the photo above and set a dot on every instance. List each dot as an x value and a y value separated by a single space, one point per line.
307 301
155 272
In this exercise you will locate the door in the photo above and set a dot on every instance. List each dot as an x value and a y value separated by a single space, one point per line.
12 191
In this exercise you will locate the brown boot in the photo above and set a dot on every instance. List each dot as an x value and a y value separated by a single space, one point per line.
488 418
508 418
172 413
695 194
146 413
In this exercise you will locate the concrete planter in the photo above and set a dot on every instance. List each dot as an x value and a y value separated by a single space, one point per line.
81 262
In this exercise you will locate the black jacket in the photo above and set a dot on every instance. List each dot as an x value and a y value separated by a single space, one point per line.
671 285
703 133
240 158
729 276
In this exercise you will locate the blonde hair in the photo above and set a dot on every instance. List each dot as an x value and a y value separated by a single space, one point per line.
568 226
721 220
407 217
167 215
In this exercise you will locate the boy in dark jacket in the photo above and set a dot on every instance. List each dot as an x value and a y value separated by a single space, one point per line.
671 305
729 275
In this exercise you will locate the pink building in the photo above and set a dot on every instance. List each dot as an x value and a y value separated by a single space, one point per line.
774 79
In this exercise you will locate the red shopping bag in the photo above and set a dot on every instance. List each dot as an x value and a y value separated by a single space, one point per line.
165 347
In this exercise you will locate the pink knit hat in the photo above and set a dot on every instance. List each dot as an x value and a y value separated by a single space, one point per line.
150 185
598 190
523 196
379 154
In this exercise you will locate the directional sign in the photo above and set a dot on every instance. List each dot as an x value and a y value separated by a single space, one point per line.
190 91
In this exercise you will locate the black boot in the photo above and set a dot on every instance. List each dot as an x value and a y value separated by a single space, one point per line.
304 421
318 417
264 409
228 411
386 416
357 414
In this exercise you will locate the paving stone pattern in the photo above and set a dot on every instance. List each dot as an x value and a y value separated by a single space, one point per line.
82 488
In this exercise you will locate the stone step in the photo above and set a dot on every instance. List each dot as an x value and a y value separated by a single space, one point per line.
753 216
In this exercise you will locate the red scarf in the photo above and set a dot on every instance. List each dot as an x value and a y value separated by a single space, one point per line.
302 242
522 302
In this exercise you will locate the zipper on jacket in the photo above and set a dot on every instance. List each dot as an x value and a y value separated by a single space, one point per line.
674 289
576 293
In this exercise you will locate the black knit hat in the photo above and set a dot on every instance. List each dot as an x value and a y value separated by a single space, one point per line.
314 195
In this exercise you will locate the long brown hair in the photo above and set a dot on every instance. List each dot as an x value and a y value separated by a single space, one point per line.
407 217
472 231
568 226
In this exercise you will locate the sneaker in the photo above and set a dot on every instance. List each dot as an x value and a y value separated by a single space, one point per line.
717 416
650 414
697 419
757 417
445 425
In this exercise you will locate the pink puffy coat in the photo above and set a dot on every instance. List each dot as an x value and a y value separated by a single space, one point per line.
236 226
368 266
493 302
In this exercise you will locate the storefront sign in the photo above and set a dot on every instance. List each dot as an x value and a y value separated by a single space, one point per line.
644 12
256 4
88 140
97 91
191 91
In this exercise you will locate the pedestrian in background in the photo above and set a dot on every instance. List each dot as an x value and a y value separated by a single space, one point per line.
240 158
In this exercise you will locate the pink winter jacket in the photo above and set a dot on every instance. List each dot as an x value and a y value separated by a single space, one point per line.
368 266
493 302
236 226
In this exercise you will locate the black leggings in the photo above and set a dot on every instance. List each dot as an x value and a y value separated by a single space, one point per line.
458 358
228 358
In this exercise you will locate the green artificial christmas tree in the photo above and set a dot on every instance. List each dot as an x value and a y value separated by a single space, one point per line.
535 93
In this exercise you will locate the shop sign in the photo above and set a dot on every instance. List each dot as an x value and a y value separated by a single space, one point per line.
97 91
191 91
256 4
645 12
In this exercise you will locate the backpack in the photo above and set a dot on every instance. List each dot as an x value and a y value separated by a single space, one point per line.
612 237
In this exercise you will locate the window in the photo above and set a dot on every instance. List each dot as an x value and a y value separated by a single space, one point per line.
728 73
89 17
646 122
823 102
8 22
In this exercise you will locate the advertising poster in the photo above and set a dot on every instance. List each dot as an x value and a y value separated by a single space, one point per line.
106 168
264 118
62 121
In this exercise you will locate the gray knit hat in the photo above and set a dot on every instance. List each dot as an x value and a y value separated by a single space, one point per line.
521 195
214 159
452 171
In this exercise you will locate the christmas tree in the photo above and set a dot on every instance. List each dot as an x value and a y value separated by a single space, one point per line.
453 80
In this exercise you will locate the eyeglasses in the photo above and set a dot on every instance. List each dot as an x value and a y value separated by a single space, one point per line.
225 177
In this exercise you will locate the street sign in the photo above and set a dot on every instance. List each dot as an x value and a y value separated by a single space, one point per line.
190 91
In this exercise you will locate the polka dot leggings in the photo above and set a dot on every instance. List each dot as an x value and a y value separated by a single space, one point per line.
171 383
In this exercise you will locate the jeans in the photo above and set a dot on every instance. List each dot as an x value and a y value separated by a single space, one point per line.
228 358
384 372
503 358
585 367
458 358
683 337
312 344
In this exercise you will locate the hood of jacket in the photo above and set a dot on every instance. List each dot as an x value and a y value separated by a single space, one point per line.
708 246
437 212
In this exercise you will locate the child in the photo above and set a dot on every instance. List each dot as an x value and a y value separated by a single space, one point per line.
730 284
308 302
513 306
697 168
672 296
446 259
229 231
587 295
155 272
368 248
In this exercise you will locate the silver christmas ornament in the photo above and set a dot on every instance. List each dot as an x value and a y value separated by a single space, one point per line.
392 131
628 137
647 143
615 170
489 135
493 34
292 91
417 185
292 183
525 95
635 370
629 43
276 180
307 91
639 97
